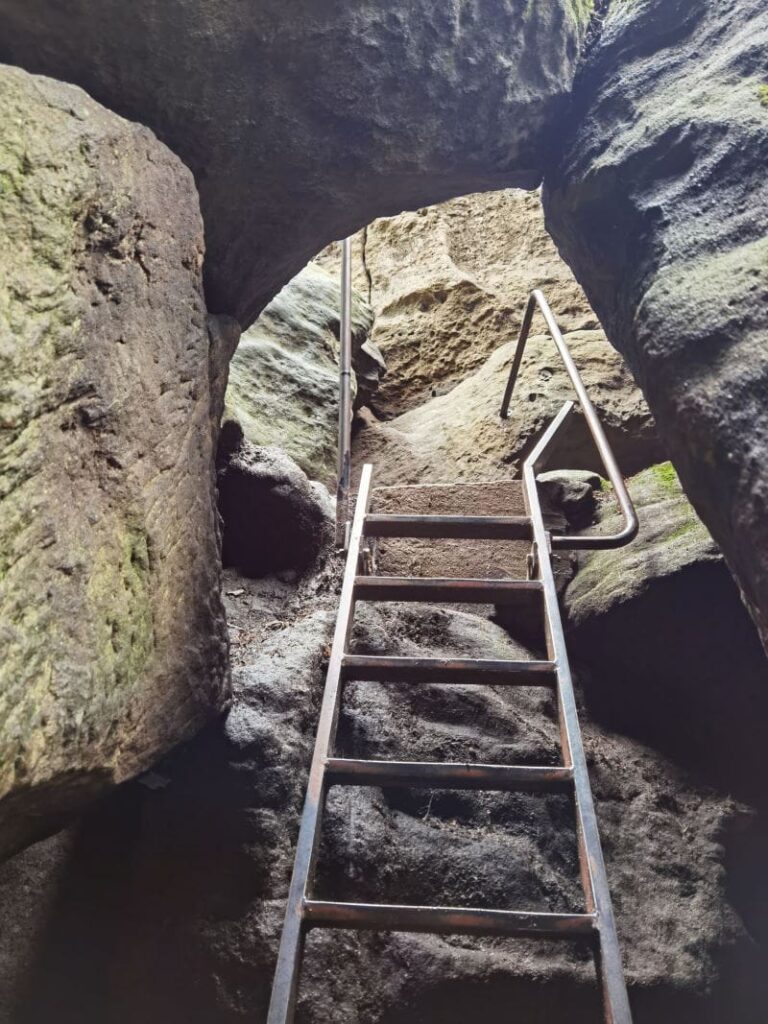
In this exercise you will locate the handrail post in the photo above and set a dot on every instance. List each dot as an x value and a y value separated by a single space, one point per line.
522 337
345 398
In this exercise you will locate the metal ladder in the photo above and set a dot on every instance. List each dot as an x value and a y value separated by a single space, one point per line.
596 925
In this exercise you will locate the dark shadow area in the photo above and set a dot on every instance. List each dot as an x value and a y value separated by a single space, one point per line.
149 872
695 686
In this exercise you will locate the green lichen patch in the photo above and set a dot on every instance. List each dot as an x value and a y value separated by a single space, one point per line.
671 539
119 596
581 11
665 475
762 94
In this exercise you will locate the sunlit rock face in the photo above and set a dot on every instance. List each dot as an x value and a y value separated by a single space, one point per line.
111 627
303 122
459 435
448 284
659 202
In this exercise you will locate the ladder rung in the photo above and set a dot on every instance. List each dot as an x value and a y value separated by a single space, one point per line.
483 672
409 588
444 920
437 775
457 527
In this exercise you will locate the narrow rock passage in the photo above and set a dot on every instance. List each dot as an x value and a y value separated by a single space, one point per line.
167 903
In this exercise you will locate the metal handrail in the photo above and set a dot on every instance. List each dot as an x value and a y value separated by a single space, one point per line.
345 398
631 524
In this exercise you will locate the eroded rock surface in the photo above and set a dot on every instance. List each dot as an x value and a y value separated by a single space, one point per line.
195 863
660 204
113 637
303 122
448 285
284 378
460 436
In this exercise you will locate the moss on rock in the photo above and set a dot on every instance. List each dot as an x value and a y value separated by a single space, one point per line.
109 656
671 538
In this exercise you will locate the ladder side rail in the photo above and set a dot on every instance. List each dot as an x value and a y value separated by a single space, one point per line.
630 528
286 978
592 863
344 471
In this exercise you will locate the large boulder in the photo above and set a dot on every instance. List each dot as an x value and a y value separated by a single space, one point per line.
112 632
460 436
274 517
302 122
674 657
659 202
448 285
284 377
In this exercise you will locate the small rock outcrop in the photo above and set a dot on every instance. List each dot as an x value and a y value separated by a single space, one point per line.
274 517
674 658
460 436
112 631
301 123
659 202
284 378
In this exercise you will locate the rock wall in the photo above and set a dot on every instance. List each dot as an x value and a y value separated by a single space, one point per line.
301 124
448 285
284 378
667 641
113 635
460 436
659 202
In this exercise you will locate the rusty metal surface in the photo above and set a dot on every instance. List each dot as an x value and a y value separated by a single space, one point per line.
286 980
482 671
450 527
406 588
450 920
439 775
591 863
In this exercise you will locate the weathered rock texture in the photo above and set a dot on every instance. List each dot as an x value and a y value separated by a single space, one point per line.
660 204
274 518
191 874
673 654
284 378
112 635
448 285
459 436
303 122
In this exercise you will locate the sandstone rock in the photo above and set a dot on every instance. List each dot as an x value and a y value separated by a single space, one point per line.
274 518
674 657
570 492
449 283
197 872
660 204
459 436
113 638
284 377
302 123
